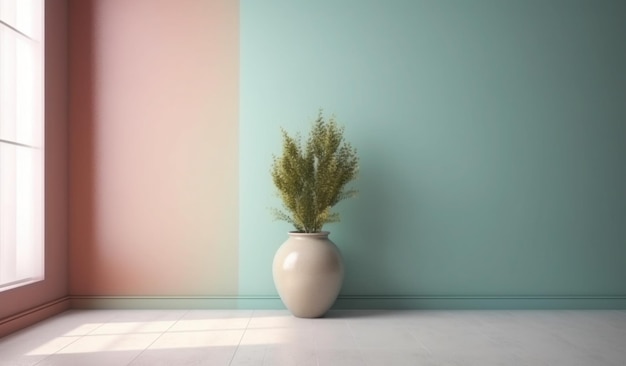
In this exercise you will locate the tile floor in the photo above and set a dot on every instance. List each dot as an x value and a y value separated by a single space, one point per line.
351 337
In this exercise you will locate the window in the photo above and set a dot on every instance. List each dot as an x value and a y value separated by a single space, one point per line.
21 142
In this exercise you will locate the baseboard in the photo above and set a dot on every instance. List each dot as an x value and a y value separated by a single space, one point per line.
353 302
32 316
175 302
480 302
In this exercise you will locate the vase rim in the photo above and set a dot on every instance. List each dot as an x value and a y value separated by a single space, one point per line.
298 233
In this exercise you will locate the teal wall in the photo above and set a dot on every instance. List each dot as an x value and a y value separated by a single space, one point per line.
492 137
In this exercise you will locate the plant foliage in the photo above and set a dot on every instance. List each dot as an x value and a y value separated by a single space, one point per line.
312 178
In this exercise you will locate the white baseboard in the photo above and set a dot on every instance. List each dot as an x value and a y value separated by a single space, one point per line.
34 315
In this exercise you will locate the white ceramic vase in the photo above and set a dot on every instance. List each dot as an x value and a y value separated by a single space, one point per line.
308 273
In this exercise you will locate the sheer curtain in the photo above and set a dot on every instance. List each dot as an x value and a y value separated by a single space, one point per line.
21 142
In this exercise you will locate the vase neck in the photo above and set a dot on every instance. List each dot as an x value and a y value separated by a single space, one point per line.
321 234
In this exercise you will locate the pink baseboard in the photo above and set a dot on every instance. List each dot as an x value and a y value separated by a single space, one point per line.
32 316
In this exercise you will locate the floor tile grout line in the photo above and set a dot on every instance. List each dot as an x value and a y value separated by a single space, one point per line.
78 337
245 329
164 331
157 338
57 351
356 342
428 350
317 348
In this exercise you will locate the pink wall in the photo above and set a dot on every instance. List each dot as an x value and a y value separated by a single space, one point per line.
55 285
153 147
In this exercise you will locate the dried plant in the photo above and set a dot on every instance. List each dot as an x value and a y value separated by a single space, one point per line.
312 178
